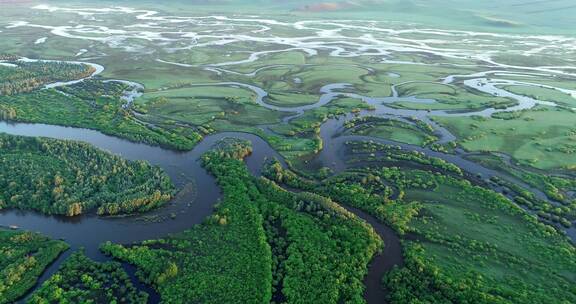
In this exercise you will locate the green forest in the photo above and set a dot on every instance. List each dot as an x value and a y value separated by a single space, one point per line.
23 258
263 244
71 178
81 109
28 76
81 280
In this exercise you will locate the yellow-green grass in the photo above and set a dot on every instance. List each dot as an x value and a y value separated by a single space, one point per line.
542 138
399 133
544 94
202 110
448 97
291 99
243 95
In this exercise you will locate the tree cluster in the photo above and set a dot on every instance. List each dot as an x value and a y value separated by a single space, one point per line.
71 178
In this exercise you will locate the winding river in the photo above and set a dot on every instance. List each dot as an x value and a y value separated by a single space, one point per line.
192 207
89 231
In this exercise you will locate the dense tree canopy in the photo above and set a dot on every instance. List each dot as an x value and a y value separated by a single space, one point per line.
23 258
70 178
262 244
28 76
81 280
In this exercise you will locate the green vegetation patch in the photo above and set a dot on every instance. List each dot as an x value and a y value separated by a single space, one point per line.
81 280
291 99
23 258
368 151
556 187
103 114
541 138
475 244
204 105
300 137
462 243
92 104
544 94
21 77
70 178
448 97
262 244
530 60
419 133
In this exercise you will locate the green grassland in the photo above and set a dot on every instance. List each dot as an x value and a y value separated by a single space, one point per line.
203 105
462 243
540 138
475 236
546 94
291 98
154 75
399 134
559 81
448 97
528 61
23 258
416 134
555 186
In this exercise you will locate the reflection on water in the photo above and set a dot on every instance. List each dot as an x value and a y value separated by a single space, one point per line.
89 231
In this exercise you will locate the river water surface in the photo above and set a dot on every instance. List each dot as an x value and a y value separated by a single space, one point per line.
192 207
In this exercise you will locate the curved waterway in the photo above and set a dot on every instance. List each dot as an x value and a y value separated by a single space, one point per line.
184 168
97 69
89 231
192 207
381 106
